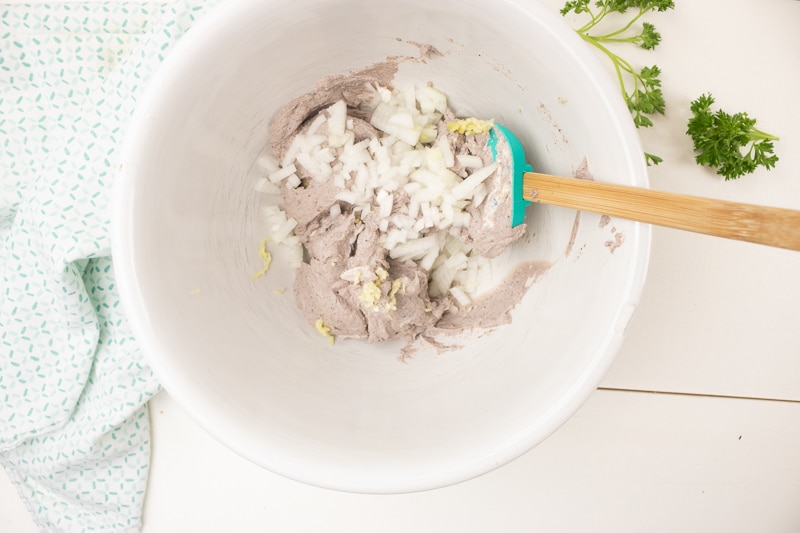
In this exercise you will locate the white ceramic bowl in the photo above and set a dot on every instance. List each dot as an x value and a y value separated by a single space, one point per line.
241 360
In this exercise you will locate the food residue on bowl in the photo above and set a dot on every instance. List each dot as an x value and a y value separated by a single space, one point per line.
266 257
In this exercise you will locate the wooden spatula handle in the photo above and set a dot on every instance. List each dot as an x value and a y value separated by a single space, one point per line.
772 226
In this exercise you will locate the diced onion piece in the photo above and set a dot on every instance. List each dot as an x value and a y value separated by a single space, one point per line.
448 156
479 195
442 277
315 124
466 188
325 155
355 155
414 249
336 141
295 146
396 121
469 161
427 261
381 116
268 163
460 296
263 185
349 196
455 246
319 170
431 99
337 118
427 135
426 195
402 119
311 141
434 158
357 274
385 206
402 221
407 99
282 173
295 255
284 230
393 238
468 278
293 182
413 208
384 93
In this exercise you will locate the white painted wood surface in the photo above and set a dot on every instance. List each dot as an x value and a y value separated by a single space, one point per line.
718 316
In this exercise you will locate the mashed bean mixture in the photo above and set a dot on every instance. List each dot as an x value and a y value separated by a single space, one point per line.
398 207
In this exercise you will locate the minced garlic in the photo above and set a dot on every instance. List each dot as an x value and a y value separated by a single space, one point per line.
391 305
470 126
267 258
370 294
324 330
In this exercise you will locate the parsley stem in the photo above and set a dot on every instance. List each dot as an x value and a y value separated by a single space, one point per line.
620 64
595 18
605 39
758 135
624 28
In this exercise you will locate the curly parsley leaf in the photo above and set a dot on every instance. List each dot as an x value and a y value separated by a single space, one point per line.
652 159
729 143
641 89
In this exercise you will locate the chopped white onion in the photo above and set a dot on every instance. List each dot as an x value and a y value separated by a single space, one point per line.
293 182
263 185
460 296
315 124
467 187
268 163
337 118
385 207
409 159
283 231
447 152
469 161
282 173
414 249
431 99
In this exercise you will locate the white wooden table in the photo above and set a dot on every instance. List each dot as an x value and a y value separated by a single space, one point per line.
697 425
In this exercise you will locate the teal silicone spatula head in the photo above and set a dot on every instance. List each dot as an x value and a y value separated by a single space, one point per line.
519 167
772 226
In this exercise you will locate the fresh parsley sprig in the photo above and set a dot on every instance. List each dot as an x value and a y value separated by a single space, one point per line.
729 143
641 88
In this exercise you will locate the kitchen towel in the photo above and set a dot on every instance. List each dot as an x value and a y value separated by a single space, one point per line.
74 429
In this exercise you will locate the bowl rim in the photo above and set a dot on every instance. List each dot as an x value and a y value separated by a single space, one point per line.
187 395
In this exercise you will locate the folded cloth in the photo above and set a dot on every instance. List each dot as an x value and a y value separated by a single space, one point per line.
74 429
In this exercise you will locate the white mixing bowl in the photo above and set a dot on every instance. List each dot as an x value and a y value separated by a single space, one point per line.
240 358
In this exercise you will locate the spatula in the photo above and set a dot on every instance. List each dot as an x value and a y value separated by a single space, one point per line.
771 226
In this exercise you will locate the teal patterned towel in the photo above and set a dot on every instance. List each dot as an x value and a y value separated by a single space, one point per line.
74 430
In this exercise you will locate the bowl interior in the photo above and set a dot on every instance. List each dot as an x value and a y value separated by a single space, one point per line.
240 358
